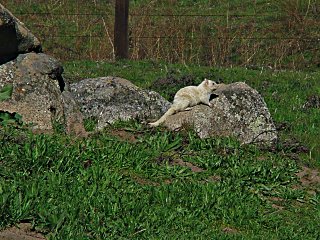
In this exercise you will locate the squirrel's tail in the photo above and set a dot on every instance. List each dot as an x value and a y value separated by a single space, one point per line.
171 111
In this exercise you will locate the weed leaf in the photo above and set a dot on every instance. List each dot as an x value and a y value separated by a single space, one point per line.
6 92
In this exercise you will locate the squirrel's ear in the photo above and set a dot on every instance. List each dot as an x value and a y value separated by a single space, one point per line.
206 81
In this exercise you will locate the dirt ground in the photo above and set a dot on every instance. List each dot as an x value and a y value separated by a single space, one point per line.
309 176
22 231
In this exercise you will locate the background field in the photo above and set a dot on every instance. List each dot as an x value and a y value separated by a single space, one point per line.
274 34
133 182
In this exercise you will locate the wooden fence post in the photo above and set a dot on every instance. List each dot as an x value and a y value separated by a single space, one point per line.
121 38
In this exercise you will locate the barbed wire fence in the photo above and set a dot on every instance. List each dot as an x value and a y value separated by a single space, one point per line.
268 39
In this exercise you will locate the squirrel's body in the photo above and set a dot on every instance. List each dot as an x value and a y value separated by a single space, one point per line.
189 97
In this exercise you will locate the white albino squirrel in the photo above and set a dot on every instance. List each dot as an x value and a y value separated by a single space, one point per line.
189 97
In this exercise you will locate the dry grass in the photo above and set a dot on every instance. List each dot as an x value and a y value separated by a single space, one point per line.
241 34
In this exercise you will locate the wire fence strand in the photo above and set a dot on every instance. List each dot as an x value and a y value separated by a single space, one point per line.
273 38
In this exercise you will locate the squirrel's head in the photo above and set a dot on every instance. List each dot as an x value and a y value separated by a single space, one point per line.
212 85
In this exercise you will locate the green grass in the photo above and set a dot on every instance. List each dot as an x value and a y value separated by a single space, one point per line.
106 187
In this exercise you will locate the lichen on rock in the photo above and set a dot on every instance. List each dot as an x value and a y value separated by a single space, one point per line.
238 111
37 92
109 99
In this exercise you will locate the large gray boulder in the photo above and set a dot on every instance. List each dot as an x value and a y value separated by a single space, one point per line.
238 111
15 38
109 99
39 93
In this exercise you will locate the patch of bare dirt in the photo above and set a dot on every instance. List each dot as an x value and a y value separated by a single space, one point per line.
139 179
176 161
78 130
309 177
143 181
276 199
213 178
168 181
124 135
22 231
290 148
230 230
193 168
276 206
276 203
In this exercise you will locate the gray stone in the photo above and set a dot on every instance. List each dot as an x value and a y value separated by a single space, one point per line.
37 92
15 38
73 119
109 99
238 111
